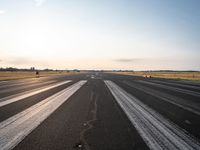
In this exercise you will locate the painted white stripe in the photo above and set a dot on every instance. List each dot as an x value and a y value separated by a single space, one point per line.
172 88
176 84
10 88
17 81
24 83
3 82
16 128
192 107
13 84
158 132
17 97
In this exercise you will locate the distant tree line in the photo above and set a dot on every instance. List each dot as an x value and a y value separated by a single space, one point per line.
33 69
12 69
23 69
76 70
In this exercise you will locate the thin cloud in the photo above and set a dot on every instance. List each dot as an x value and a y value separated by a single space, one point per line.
39 3
125 60
2 11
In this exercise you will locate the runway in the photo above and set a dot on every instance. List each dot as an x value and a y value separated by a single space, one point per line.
99 111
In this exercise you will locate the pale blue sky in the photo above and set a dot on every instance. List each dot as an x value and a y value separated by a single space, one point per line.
103 34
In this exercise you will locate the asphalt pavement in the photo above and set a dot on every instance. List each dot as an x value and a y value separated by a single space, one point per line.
99 111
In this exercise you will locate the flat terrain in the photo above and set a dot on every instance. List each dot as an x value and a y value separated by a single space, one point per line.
10 75
99 111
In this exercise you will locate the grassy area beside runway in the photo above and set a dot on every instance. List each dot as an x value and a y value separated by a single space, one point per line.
182 75
11 75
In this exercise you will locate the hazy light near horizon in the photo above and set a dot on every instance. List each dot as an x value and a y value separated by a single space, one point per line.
100 34
2 12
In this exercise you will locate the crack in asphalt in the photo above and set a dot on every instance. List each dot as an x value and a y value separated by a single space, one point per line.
89 124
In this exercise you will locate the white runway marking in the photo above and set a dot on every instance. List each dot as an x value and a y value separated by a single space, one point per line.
192 107
11 99
10 86
3 83
158 132
16 128
176 84
172 88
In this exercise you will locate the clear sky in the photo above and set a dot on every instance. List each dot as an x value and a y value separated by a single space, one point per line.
100 34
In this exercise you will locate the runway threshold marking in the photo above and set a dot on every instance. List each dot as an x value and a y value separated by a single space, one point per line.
16 128
157 132
13 98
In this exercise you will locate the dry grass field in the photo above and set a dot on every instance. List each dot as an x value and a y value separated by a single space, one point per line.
10 75
171 75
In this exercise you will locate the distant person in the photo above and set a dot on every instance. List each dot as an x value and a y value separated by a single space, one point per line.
37 74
